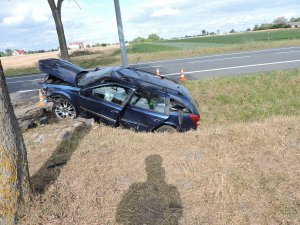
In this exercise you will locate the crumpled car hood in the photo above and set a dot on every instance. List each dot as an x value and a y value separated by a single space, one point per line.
61 69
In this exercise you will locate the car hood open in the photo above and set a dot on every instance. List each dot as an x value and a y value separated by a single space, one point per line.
61 69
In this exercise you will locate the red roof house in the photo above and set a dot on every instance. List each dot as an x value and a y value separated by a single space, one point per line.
18 52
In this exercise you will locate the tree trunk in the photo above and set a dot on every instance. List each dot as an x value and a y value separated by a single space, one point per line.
14 174
56 13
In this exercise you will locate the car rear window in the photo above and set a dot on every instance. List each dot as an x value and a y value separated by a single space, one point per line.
175 105
149 100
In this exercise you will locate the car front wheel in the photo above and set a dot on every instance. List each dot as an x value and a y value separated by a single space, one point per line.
63 108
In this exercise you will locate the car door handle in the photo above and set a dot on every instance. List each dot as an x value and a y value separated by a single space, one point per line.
113 111
155 120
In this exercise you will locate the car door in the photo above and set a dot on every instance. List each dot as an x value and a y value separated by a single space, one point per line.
105 102
145 111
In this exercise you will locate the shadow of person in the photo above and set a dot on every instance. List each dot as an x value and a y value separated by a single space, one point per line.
52 168
150 202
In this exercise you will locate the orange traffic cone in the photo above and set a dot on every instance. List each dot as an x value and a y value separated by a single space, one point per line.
42 98
157 72
182 77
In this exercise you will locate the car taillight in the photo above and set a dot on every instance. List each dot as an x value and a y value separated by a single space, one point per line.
195 119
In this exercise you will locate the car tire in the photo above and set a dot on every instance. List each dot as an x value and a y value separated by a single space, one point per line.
166 128
64 109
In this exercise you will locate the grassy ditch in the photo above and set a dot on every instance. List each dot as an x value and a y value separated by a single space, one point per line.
240 167
248 97
21 71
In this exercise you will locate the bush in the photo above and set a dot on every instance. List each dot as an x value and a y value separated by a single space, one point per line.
83 52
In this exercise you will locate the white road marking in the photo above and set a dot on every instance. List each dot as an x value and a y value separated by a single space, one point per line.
149 67
278 53
25 76
234 67
28 90
23 81
211 60
210 56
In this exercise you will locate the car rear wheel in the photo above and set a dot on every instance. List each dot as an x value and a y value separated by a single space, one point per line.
166 128
63 108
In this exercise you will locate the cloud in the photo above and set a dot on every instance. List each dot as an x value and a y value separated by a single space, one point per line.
25 12
167 11
13 20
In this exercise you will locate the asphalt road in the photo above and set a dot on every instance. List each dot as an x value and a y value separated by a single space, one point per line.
194 68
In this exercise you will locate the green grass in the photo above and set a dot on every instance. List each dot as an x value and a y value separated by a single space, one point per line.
246 37
148 47
94 61
21 71
188 45
251 38
247 98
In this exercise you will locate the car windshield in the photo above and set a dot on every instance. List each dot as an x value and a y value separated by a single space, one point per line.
93 76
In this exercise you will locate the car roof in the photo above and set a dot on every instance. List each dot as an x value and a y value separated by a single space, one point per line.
146 79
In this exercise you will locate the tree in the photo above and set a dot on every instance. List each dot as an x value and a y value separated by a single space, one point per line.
14 174
138 39
293 19
232 31
153 37
280 22
2 54
56 13
8 52
265 26
203 32
256 27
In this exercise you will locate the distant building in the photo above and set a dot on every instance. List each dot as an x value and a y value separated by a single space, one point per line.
294 24
75 45
18 52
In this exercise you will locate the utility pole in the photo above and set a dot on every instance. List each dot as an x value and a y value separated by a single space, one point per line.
121 33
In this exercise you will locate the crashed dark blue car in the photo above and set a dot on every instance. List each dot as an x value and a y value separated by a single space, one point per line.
117 96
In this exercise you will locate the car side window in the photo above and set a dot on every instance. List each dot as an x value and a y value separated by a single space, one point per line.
175 105
149 100
111 93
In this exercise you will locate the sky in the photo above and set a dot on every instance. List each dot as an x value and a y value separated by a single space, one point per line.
29 25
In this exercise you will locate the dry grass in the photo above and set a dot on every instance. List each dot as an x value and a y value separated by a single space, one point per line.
227 172
27 61
244 173
31 60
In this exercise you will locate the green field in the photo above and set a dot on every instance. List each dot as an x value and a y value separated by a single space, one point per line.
245 37
217 41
